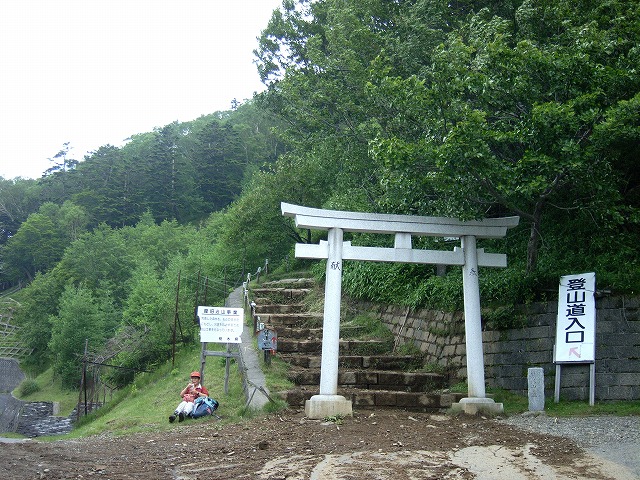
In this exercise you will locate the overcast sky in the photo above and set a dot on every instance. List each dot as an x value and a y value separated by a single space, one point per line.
94 72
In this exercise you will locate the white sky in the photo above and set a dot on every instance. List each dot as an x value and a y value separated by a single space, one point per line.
94 72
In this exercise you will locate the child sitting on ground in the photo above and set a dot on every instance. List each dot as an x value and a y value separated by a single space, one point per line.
189 393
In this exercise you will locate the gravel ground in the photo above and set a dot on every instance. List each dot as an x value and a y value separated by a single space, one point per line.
381 444
611 437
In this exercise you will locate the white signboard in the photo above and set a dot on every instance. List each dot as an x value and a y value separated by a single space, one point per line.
221 324
576 325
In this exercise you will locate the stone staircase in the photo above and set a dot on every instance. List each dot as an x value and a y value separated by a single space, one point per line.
369 374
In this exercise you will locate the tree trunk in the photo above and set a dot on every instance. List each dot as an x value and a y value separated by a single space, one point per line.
534 242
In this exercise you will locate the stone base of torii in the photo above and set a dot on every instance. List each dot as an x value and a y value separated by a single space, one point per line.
335 250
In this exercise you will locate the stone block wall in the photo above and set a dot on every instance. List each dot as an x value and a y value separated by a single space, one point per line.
509 354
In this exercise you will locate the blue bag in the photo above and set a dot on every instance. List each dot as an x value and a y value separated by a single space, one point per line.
204 406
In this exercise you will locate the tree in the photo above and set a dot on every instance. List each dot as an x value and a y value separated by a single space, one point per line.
73 220
315 58
100 261
17 200
36 247
219 163
82 318
504 121
39 302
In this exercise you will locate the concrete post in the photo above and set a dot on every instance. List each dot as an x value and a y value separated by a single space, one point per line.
476 402
535 381
328 402
331 320
472 319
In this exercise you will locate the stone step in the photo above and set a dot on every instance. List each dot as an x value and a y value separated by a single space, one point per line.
290 283
378 362
311 333
346 347
280 295
373 399
296 333
369 375
375 379
277 320
266 308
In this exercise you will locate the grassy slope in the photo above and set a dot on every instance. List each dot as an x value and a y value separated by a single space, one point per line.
148 402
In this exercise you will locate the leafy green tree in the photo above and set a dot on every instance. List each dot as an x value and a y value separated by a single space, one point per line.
100 261
102 187
145 330
39 302
82 318
157 244
58 182
219 163
73 220
468 109
36 247
17 200
504 122
315 58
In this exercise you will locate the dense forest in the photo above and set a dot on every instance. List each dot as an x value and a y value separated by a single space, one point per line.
467 109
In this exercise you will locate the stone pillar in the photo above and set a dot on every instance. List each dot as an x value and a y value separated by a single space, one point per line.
328 403
535 380
476 402
472 319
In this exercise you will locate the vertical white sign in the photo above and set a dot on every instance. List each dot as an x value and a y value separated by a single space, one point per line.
576 324
221 324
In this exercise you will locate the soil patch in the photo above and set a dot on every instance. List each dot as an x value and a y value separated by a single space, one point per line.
370 445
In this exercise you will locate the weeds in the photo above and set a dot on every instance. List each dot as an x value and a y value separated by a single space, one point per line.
335 419
28 387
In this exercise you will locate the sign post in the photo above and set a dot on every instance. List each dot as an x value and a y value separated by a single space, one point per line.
268 343
220 325
576 327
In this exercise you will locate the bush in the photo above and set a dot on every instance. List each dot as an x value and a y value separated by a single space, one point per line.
28 387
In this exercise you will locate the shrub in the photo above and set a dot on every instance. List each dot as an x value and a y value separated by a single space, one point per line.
28 387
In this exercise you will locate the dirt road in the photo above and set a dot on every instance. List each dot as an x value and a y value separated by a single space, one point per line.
370 445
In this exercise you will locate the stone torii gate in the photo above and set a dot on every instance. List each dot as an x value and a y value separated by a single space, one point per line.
335 250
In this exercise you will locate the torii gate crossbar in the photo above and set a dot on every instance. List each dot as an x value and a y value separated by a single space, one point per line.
404 227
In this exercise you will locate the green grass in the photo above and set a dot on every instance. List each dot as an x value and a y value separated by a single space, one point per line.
49 390
365 327
514 404
276 375
146 404
576 408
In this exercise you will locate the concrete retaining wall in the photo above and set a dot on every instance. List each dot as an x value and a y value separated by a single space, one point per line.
31 419
10 375
508 354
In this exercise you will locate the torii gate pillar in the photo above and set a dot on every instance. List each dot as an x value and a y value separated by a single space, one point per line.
328 403
476 401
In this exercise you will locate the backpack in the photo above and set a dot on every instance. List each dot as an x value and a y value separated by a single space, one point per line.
204 406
